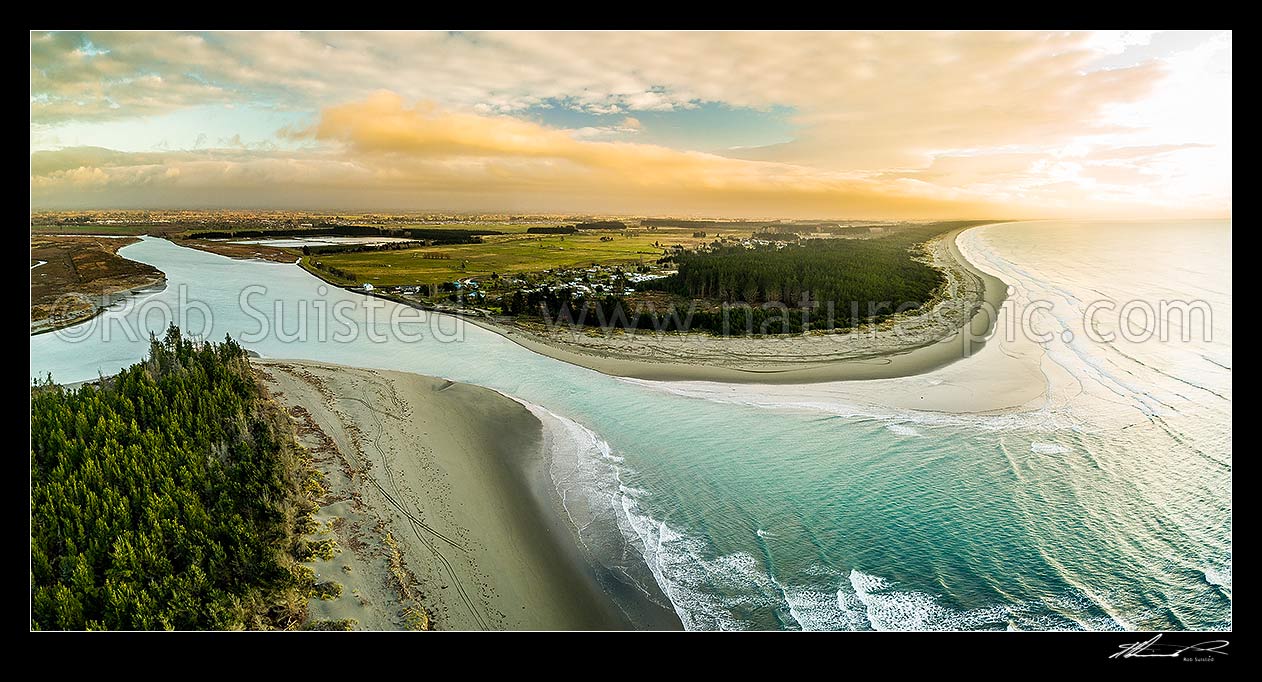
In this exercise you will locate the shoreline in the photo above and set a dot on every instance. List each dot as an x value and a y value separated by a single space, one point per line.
112 298
92 299
879 364
770 362
441 502
260 252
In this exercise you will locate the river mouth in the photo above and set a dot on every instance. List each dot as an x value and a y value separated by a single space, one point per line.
857 505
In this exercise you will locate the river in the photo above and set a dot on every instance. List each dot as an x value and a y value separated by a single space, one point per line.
1107 506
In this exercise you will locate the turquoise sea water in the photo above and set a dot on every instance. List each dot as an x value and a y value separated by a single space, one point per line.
1107 507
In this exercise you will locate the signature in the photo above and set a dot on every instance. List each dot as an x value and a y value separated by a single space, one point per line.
1151 649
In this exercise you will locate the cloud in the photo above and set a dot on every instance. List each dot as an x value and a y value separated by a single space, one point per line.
381 147
946 115
132 77
382 152
845 85
1143 151
397 139
46 164
602 132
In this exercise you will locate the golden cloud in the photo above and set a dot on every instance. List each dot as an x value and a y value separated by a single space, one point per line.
381 151
382 145
912 123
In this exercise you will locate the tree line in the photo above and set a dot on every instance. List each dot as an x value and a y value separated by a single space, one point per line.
730 289
812 272
612 311
436 235
172 496
321 249
333 270
559 229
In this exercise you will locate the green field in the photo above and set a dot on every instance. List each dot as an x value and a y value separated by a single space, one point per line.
504 255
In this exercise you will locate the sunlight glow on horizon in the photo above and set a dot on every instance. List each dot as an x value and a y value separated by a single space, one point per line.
724 124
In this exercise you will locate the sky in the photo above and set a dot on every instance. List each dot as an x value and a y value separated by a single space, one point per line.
893 125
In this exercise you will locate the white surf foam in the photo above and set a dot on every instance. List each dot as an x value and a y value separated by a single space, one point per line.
1220 576
863 601
890 609
708 592
821 609
817 398
1048 449
704 590
734 591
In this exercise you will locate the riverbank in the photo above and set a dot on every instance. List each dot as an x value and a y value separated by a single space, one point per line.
434 500
80 277
83 307
954 326
240 251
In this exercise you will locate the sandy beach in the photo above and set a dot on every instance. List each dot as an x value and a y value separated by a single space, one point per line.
954 326
437 504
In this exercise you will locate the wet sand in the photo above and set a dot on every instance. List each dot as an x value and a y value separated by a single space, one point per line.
436 505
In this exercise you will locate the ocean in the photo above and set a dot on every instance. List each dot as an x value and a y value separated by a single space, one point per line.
1105 505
